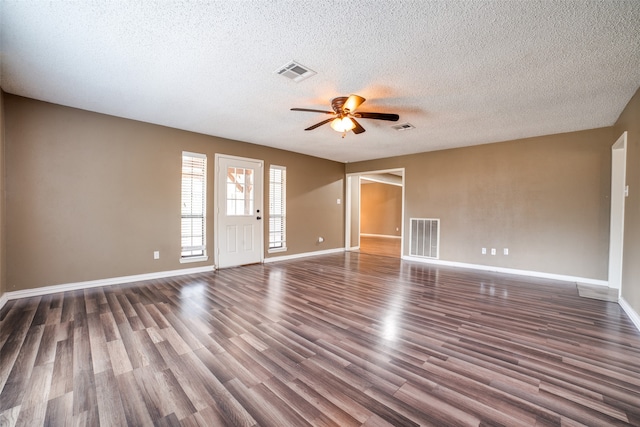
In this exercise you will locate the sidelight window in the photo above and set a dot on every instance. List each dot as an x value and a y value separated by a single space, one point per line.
277 208
193 224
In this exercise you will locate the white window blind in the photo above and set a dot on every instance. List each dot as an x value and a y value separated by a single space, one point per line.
194 178
277 208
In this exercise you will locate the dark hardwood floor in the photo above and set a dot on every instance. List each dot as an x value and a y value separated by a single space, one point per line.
385 246
338 340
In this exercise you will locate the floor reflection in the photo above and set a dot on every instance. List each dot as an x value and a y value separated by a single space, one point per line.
275 284
193 300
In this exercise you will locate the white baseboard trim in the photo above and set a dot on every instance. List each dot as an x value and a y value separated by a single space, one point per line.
539 274
635 318
45 290
302 255
388 236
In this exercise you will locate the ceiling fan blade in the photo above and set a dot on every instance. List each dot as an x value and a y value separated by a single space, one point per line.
312 111
319 124
358 129
378 116
352 103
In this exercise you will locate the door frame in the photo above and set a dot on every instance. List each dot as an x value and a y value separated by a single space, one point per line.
618 195
258 203
349 200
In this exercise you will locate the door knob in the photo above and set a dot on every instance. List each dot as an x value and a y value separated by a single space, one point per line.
258 217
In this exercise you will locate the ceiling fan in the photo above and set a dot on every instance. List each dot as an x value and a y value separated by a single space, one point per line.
344 115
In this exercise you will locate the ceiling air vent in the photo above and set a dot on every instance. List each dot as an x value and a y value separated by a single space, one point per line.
295 71
403 126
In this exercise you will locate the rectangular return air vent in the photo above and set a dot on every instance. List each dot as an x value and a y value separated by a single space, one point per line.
295 71
425 238
404 126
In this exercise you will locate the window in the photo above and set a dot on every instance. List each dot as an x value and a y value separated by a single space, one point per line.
239 192
277 208
194 178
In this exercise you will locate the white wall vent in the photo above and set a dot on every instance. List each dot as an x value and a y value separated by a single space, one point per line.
425 237
404 126
295 71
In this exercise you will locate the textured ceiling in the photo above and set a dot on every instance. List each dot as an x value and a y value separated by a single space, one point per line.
463 73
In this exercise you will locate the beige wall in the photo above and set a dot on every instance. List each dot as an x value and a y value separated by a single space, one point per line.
630 121
91 196
3 269
546 199
381 209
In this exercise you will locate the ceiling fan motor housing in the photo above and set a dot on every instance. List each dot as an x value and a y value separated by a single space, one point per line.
337 104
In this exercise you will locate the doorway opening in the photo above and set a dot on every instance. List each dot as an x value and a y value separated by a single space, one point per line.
375 212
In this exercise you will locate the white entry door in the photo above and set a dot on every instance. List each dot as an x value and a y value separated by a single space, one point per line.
239 211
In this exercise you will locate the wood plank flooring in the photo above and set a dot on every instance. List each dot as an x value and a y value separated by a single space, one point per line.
338 340
377 245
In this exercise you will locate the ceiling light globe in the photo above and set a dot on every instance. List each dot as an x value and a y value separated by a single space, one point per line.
348 124
336 125
344 124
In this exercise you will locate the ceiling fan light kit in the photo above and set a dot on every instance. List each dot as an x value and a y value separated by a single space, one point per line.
344 124
344 115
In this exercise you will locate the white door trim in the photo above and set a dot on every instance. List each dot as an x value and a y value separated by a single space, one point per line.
618 189
259 202
349 201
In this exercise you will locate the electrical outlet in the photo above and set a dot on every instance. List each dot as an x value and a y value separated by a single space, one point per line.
506 251
156 254
338 201
493 251
484 251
